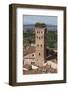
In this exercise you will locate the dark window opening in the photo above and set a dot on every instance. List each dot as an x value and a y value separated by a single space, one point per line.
38 45
32 63
39 37
41 45
37 31
39 54
32 54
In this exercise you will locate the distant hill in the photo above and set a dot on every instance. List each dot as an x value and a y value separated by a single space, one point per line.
30 27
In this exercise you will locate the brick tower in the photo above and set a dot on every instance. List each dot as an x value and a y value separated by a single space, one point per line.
40 41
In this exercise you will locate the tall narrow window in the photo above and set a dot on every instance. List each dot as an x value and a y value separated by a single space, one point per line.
41 45
39 54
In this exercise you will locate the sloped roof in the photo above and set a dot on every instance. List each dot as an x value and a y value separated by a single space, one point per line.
50 54
29 50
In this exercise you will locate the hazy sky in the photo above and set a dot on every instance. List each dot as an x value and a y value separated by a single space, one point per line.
32 19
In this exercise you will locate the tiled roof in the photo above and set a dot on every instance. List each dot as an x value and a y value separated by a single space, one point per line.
29 50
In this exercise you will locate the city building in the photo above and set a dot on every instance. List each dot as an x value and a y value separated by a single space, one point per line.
40 41
36 54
